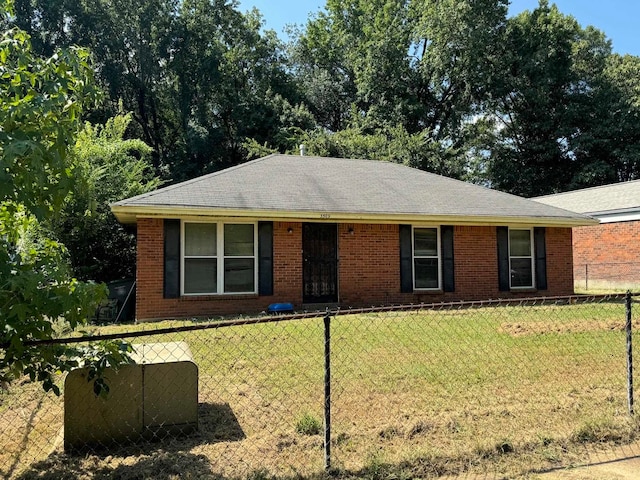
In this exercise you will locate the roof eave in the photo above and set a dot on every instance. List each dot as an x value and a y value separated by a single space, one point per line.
615 211
130 214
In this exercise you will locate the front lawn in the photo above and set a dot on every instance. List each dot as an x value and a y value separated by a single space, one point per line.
504 389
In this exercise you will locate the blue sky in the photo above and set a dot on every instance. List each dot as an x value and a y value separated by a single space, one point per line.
618 19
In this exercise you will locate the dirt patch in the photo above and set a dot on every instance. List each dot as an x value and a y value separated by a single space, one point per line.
518 329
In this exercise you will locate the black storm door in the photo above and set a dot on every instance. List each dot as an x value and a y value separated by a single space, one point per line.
320 262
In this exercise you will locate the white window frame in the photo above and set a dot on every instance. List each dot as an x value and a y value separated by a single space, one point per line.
531 256
438 257
220 257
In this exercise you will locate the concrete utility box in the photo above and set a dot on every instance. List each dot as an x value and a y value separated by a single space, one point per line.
155 396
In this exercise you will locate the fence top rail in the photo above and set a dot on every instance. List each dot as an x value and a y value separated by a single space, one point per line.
216 324
528 301
607 263
175 329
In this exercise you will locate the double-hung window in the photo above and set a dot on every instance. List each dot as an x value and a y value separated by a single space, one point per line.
219 258
521 258
426 258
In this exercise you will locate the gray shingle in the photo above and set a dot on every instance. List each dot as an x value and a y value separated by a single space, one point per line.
284 183
617 197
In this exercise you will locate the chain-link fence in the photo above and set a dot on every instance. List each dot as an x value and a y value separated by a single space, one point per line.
498 388
604 277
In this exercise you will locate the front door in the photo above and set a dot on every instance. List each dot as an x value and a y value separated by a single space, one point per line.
320 262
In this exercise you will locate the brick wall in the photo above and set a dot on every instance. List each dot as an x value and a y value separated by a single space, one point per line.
369 268
369 264
287 263
476 263
150 303
559 261
607 255
370 273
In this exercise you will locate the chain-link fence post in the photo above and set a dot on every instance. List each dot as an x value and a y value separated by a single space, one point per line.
629 353
327 392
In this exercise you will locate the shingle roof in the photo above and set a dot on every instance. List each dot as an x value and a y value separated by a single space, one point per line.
307 186
618 197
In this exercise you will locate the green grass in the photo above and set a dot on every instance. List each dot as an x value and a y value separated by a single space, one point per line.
308 424
505 389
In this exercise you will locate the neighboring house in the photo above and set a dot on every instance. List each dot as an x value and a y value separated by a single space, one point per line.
605 255
314 230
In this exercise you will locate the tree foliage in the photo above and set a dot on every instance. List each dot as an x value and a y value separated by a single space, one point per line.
40 104
107 168
198 76
537 101
611 140
563 117
531 104
421 65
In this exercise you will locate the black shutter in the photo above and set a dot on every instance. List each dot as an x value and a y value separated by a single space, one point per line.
448 274
540 248
504 273
171 258
406 260
265 258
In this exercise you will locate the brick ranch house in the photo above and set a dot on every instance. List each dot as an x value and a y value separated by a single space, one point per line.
313 230
606 255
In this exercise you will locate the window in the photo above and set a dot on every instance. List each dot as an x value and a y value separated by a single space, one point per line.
426 258
219 258
521 258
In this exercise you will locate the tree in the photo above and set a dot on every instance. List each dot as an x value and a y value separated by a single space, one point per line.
547 105
608 147
131 43
107 168
198 76
40 104
392 144
238 87
419 64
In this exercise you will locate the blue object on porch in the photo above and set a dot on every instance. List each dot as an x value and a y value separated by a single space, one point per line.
280 308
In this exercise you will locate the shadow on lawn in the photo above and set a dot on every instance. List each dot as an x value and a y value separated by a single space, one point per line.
166 457
218 423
